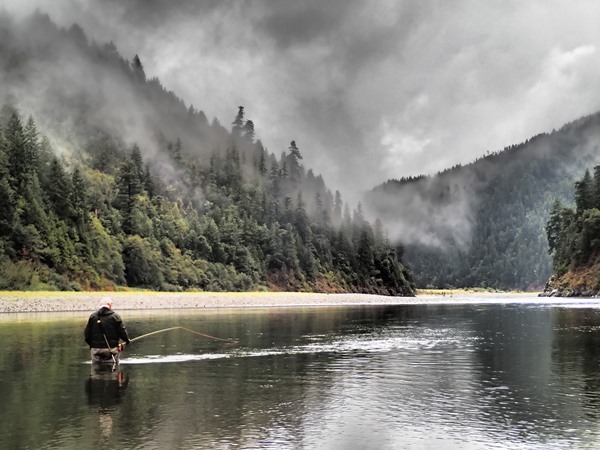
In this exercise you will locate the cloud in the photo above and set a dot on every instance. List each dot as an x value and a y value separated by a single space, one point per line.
370 90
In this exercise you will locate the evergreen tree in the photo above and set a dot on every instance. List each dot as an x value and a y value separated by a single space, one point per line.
584 192
554 225
274 177
149 185
58 190
32 144
138 69
596 187
20 166
177 157
337 208
238 124
249 132
7 200
128 189
294 166
137 163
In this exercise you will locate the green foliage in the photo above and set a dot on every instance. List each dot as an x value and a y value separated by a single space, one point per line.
143 263
106 252
574 235
482 224
193 207
83 228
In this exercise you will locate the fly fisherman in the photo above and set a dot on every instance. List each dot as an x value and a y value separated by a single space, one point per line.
102 334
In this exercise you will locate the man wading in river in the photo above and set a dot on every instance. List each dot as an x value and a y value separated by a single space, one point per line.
102 334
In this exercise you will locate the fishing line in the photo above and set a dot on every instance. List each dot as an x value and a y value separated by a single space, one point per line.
232 341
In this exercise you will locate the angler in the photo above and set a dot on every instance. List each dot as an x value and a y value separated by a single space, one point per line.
102 334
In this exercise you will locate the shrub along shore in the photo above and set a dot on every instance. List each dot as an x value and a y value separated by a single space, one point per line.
14 302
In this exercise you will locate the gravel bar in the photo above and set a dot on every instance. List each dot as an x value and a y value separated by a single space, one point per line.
18 302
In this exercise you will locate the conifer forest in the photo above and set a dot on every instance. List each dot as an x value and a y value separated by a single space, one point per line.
191 205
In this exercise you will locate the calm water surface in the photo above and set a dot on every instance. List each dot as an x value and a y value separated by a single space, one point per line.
379 377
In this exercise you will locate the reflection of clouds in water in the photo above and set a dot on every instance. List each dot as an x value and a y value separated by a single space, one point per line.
105 423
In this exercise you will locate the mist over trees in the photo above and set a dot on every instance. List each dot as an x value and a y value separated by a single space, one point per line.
482 224
574 236
125 185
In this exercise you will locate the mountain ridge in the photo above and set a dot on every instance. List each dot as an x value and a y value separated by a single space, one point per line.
482 224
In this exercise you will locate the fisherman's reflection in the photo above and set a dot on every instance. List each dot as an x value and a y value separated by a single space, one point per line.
105 389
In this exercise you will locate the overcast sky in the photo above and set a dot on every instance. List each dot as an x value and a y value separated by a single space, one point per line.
369 90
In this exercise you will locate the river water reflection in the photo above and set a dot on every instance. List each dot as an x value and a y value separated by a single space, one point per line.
503 376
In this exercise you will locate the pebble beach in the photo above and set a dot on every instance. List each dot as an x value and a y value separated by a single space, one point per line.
19 302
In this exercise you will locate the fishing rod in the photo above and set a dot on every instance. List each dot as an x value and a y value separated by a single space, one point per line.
231 341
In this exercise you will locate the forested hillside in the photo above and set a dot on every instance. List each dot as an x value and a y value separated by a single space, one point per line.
574 240
107 179
482 225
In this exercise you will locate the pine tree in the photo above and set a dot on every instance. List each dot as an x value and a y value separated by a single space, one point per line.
45 157
7 200
32 144
337 208
78 196
554 226
238 124
249 132
584 193
138 69
294 158
20 167
129 188
596 187
137 162
177 157
149 185
58 190
262 159
274 177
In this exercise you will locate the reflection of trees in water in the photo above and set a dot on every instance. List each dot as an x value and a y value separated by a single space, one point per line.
576 355
34 358
514 351
539 367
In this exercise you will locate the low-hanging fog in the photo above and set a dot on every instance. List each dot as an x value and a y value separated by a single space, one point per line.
370 90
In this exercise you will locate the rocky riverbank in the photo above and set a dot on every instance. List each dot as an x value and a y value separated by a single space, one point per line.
77 301
583 282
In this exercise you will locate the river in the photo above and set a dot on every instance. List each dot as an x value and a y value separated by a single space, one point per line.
519 375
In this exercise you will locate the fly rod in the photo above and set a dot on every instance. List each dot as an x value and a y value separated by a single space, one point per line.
232 341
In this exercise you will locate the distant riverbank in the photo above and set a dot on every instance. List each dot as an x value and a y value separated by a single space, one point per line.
13 302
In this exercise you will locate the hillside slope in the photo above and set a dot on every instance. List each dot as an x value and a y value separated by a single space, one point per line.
107 179
482 225
574 241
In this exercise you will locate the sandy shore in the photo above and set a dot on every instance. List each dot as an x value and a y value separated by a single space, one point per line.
15 302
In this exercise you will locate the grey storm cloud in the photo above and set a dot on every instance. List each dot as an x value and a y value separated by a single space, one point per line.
369 90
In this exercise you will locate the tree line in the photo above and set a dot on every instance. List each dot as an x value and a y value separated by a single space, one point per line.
104 217
574 232
487 219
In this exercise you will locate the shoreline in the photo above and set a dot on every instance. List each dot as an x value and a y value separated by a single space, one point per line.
23 302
